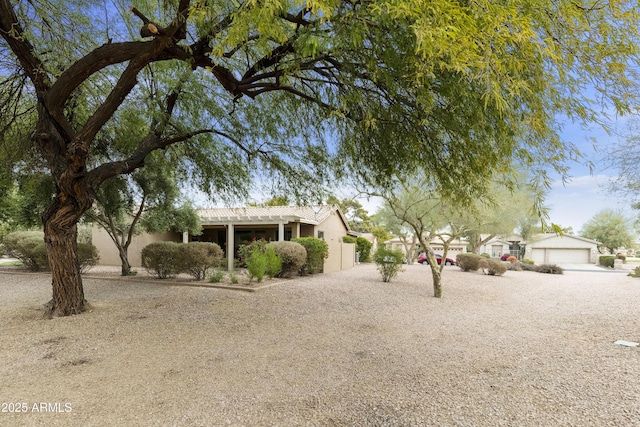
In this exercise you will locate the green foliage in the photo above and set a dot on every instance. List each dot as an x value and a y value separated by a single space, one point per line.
28 247
636 272
485 255
233 277
607 260
196 258
162 259
317 252
528 261
88 256
389 263
274 263
349 239
469 262
293 256
611 229
363 246
216 276
245 251
257 265
549 269
493 267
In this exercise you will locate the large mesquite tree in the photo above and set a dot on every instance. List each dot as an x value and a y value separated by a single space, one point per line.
453 89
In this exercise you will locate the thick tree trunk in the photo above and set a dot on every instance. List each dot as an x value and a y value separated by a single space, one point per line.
124 259
60 234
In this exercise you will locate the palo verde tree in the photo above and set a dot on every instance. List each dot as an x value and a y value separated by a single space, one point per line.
147 200
448 88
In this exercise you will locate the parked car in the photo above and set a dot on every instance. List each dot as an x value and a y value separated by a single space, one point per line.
422 259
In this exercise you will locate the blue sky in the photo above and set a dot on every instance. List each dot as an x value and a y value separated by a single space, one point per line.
575 202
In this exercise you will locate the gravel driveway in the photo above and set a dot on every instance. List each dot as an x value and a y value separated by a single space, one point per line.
340 349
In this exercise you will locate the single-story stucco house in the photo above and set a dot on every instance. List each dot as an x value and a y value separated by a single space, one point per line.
455 247
566 249
495 247
232 227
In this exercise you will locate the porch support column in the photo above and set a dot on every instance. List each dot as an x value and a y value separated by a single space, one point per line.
280 231
230 246
185 237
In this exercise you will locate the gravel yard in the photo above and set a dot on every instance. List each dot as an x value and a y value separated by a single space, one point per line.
340 349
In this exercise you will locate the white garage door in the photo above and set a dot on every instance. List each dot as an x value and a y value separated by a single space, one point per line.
538 255
568 256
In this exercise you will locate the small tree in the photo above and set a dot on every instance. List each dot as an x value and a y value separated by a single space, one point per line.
389 263
611 229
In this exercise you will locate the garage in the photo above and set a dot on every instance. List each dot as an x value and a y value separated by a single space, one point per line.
567 249
569 256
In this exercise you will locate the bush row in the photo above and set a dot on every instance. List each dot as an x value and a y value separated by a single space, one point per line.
474 262
303 255
29 248
167 259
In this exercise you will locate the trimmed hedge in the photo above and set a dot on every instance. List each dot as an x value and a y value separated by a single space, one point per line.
162 259
469 262
493 267
607 260
197 258
293 256
317 252
29 248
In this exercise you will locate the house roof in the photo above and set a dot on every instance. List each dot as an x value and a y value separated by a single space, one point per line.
546 236
313 215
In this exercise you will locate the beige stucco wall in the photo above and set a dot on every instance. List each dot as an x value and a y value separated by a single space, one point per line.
333 229
109 253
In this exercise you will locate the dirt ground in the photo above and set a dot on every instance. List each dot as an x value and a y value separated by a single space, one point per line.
339 349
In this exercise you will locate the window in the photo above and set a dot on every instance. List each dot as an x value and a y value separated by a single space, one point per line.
320 235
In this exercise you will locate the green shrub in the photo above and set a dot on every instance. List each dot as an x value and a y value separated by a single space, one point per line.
469 262
28 247
607 260
257 265
528 261
274 263
233 277
485 255
244 251
363 246
494 267
87 256
549 269
293 256
162 259
348 239
196 258
389 263
317 252
216 276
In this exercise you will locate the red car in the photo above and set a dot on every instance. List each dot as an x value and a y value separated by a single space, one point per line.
422 259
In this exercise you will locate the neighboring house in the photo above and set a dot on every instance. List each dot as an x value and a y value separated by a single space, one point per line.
566 249
495 247
232 227
455 247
